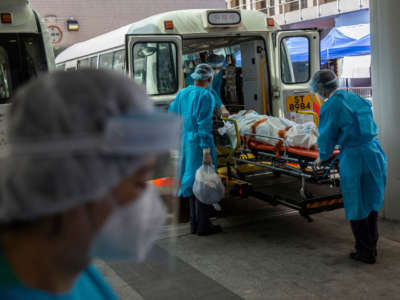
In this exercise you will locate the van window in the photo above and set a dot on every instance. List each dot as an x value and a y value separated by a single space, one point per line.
106 61
119 60
155 67
295 60
22 57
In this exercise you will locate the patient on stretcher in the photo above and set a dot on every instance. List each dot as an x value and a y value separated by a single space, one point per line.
271 130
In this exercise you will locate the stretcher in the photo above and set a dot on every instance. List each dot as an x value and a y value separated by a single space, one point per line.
280 174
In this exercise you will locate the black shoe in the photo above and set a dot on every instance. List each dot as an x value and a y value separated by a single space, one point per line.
365 259
213 229
374 253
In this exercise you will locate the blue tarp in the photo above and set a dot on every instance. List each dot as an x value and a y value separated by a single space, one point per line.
298 48
333 46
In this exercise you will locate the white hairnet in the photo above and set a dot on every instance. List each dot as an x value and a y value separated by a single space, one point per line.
73 136
324 82
202 72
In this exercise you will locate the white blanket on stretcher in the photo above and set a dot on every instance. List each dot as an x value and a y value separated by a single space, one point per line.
296 135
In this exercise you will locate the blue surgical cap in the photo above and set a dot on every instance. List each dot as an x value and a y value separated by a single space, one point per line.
202 72
324 82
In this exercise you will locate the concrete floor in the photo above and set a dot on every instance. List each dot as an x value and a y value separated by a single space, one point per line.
270 253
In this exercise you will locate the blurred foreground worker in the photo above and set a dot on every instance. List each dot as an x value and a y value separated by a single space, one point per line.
74 185
346 120
196 106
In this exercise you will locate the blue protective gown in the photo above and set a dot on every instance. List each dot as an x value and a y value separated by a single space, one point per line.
215 92
196 106
189 80
89 285
217 83
346 120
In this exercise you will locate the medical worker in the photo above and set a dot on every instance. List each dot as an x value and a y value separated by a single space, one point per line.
196 106
74 184
215 86
346 120
217 63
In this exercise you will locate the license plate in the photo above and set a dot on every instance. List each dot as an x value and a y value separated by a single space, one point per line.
302 102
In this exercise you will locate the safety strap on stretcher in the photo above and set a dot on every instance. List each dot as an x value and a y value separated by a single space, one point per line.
307 153
281 134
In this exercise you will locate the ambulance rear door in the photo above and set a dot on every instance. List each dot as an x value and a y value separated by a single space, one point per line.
154 61
297 55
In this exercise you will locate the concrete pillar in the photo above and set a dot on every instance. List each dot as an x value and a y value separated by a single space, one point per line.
385 43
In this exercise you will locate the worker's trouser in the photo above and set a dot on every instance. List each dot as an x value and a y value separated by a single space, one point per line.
366 234
199 216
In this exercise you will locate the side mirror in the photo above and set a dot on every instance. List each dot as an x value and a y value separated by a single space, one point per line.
147 51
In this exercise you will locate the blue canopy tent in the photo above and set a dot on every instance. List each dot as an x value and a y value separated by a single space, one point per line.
334 45
353 48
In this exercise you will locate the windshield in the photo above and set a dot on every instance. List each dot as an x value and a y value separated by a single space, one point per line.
21 58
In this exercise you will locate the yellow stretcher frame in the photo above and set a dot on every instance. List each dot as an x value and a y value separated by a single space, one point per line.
238 138
314 114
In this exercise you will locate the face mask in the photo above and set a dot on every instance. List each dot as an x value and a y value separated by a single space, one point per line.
131 230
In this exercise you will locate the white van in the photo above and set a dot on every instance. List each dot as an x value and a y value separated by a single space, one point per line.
266 69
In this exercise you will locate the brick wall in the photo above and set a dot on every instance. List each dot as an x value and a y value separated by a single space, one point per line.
99 16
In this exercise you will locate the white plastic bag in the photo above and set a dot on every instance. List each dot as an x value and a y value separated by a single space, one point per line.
208 187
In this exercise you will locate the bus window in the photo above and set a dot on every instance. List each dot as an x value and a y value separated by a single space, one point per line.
83 63
21 58
155 67
295 64
119 60
106 61
61 67
93 62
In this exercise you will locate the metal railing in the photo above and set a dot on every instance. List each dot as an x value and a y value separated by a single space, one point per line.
365 92
282 7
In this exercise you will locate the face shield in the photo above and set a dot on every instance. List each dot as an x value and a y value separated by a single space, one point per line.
162 144
161 141
86 168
